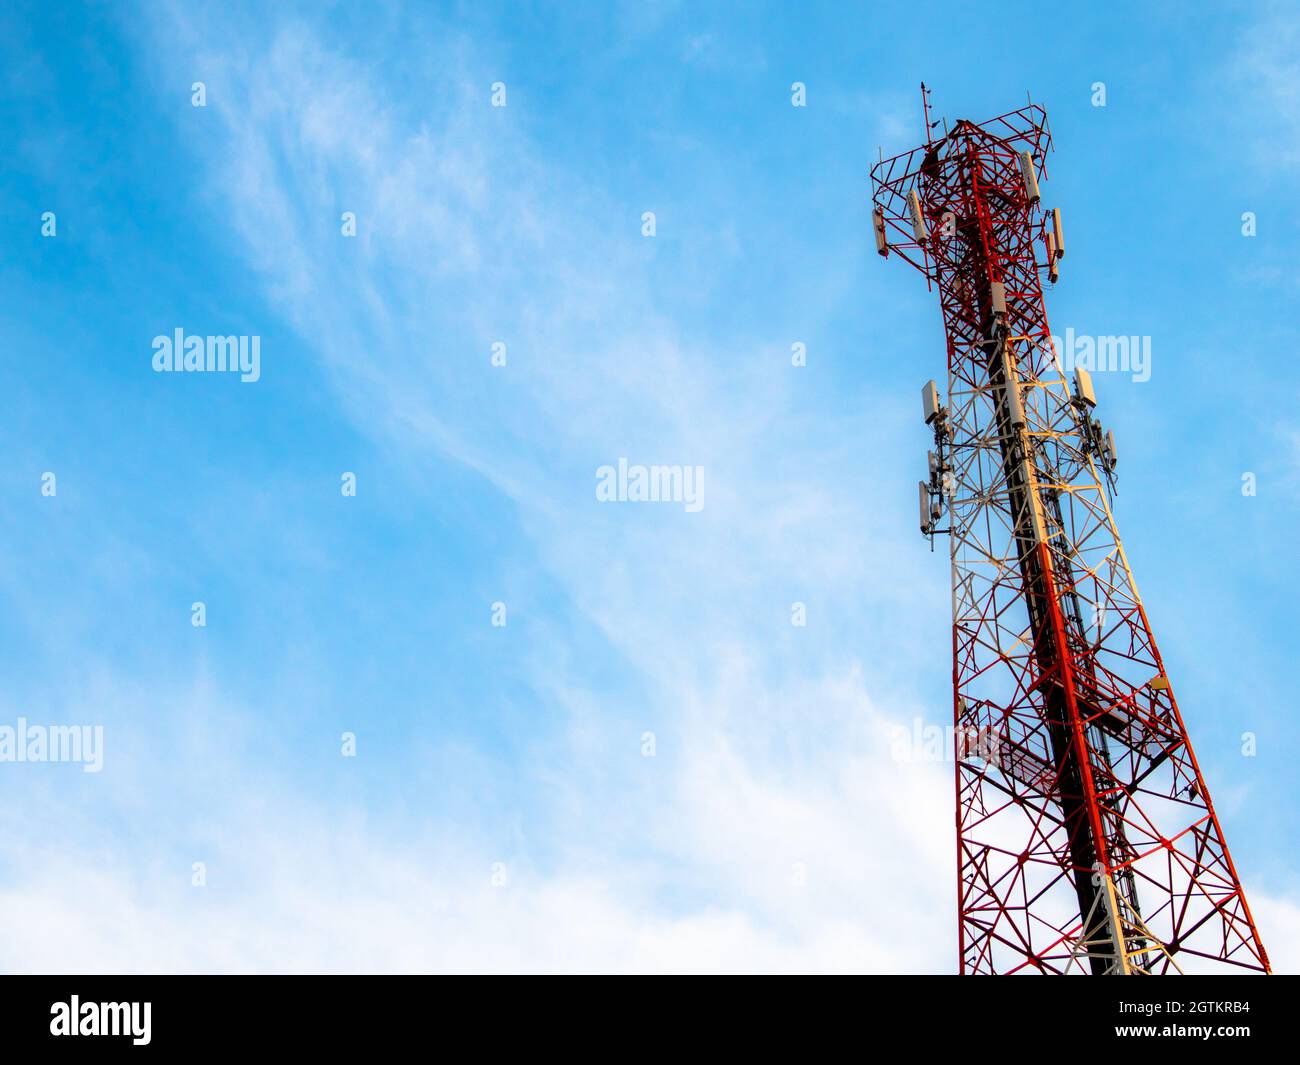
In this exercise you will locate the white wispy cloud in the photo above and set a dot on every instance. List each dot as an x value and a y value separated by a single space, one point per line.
768 772
1267 60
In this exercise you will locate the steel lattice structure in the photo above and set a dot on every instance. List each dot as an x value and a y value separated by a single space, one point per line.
1086 839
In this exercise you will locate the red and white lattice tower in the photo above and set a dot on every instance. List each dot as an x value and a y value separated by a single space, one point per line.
1086 839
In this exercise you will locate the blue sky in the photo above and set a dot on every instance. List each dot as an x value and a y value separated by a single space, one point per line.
771 829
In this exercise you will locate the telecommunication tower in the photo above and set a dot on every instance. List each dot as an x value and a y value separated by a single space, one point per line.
1086 839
